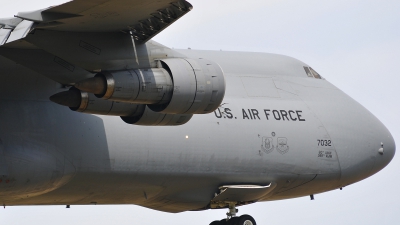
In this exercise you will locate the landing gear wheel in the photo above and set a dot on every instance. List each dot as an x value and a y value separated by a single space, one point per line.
219 222
216 222
223 222
233 221
245 220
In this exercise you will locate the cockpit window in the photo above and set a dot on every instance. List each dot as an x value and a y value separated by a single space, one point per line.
316 75
308 72
311 73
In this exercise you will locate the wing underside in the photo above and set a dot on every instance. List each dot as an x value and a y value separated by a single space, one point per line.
67 43
144 19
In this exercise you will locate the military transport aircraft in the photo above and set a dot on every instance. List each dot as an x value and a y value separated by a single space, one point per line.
94 111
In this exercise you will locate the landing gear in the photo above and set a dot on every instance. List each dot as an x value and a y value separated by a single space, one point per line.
217 222
232 210
242 220
232 219
246 220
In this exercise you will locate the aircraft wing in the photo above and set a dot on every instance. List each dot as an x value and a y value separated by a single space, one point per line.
144 18
64 42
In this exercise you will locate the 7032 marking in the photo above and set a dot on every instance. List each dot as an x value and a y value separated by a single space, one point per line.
324 142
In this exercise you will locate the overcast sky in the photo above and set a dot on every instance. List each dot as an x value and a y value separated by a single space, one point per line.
354 44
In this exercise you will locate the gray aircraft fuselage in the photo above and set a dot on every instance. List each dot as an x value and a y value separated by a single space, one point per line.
275 125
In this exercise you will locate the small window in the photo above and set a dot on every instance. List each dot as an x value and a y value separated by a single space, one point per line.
311 73
308 72
316 75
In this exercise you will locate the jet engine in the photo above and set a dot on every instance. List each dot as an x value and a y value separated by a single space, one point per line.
84 102
176 86
130 113
150 118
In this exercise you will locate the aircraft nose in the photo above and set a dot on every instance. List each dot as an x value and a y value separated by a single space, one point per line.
386 151
370 147
363 144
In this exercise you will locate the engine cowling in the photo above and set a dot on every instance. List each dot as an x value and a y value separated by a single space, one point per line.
177 86
84 102
141 86
135 114
151 118
199 86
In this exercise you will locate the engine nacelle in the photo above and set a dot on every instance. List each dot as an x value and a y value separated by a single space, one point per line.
134 114
92 105
141 86
151 118
177 86
199 86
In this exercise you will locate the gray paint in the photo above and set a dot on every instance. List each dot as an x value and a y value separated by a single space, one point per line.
116 163
307 95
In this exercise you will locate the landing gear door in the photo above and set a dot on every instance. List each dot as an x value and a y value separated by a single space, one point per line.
240 194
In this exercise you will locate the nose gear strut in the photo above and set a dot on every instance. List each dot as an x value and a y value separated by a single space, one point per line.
232 210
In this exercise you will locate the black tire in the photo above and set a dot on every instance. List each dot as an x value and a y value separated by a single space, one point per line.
223 222
246 220
233 221
216 222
